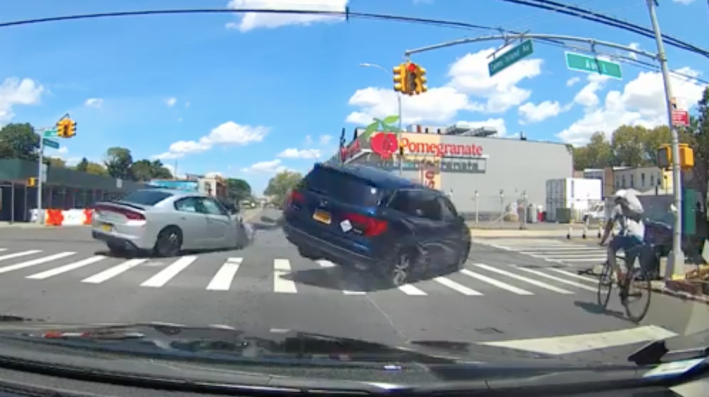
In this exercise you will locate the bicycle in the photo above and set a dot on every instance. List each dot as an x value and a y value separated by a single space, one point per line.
634 273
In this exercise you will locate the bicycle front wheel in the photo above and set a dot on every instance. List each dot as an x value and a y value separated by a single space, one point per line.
605 285
637 289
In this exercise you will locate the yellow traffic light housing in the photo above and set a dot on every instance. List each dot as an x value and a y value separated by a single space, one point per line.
32 182
421 80
410 70
400 78
66 128
70 129
61 128
686 156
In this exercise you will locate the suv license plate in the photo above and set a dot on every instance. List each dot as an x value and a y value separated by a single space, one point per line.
106 227
322 216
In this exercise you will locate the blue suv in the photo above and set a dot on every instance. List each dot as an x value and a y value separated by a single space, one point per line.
359 215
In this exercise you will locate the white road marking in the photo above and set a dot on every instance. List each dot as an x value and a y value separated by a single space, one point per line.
524 279
35 262
169 272
281 268
496 283
557 279
66 268
113 272
225 275
325 263
409 289
456 286
18 254
348 292
560 345
222 326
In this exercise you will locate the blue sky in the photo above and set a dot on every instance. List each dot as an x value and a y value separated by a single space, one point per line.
247 96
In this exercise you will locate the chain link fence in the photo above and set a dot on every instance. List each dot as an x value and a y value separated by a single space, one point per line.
499 209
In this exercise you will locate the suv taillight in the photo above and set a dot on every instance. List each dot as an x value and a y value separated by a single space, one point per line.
370 226
294 197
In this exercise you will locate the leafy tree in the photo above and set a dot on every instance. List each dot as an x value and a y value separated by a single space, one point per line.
19 141
238 189
55 162
145 170
119 162
596 154
281 184
96 169
83 165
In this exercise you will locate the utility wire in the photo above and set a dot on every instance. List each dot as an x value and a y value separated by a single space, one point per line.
348 14
589 15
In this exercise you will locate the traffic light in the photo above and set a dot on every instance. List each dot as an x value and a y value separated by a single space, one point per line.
420 80
400 79
32 182
411 70
61 128
70 129
686 156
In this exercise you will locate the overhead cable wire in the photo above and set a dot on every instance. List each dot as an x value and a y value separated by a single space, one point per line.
606 20
345 14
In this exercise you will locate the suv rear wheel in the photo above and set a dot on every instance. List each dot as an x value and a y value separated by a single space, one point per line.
400 272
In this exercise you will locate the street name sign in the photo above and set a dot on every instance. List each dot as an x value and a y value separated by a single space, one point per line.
511 57
583 63
50 143
49 133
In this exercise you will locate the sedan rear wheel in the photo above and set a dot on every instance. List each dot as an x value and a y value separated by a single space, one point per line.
169 242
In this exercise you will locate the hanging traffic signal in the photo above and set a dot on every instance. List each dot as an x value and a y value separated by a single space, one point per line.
686 156
420 80
61 128
411 72
31 182
400 79
70 128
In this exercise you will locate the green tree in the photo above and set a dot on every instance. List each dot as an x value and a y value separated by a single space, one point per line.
83 165
145 170
55 162
596 154
118 161
96 169
238 189
281 184
19 141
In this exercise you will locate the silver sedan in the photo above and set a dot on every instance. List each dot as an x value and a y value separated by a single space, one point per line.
166 222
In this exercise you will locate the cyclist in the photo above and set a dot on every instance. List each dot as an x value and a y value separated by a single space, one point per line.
628 213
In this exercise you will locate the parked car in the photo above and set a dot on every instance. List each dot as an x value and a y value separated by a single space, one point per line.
358 215
165 222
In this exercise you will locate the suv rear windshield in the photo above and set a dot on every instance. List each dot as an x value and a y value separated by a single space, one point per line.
342 187
145 197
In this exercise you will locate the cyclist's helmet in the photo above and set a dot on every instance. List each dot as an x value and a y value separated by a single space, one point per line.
620 195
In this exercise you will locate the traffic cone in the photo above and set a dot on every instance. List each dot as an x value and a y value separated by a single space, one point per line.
568 234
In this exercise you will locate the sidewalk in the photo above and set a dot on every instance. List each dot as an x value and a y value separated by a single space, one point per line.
512 229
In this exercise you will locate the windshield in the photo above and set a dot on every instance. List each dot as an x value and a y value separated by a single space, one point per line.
430 175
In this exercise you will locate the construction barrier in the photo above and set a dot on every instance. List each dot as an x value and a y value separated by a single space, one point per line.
54 217
586 229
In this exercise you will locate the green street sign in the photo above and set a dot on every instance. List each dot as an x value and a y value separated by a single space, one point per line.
583 63
50 143
510 57
49 133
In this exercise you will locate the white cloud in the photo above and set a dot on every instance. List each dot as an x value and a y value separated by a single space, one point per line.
293 153
171 168
498 124
187 104
532 113
635 46
63 150
570 82
587 96
94 103
14 91
683 1
250 21
170 102
642 102
213 174
325 139
470 88
265 167
228 133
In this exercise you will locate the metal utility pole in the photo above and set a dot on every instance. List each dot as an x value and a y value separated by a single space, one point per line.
40 177
398 99
675 263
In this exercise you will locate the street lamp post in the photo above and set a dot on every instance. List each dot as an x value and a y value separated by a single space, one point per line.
676 260
398 99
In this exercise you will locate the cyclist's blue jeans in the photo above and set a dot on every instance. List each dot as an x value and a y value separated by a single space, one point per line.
625 243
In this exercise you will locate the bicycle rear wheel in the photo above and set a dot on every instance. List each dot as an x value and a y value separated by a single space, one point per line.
605 285
637 285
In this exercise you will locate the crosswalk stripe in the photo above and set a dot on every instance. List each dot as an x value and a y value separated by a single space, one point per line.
348 292
409 289
558 279
225 275
169 272
35 262
325 263
496 283
18 254
113 272
524 279
281 268
66 268
456 286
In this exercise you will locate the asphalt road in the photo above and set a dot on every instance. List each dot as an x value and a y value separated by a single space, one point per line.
502 298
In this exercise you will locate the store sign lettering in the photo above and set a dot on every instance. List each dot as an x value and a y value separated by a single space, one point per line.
442 149
348 152
429 179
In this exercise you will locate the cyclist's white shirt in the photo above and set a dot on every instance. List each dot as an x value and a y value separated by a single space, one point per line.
630 220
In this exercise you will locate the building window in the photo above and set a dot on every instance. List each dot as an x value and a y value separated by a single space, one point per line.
659 180
642 180
623 184
632 180
652 180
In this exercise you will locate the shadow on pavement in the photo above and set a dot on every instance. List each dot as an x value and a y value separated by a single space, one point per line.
595 308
